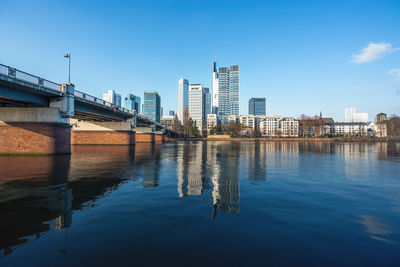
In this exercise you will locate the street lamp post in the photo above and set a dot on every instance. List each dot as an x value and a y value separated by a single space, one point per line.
69 66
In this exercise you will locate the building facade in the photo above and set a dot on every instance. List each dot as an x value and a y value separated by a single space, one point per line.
132 102
232 119
278 126
215 88
167 122
211 121
152 105
228 92
257 106
380 126
112 97
208 104
351 128
351 115
248 121
183 100
197 105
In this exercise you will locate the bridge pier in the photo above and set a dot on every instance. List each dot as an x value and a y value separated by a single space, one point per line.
102 133
34 131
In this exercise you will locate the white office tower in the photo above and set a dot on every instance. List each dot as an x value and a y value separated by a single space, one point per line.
112 97
183 98
350 115
197 105
215 90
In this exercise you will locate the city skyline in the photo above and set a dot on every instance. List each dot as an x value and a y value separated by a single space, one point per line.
360 70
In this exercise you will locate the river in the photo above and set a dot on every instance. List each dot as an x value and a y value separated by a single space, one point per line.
203 203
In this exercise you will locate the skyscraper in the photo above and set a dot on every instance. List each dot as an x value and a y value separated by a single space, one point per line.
152 105
228 92
257 106
132 102
207 96
112 97
197 105
118 99
183 98
215 87
351 115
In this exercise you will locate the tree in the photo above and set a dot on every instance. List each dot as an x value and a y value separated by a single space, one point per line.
234 129
175 124
393 126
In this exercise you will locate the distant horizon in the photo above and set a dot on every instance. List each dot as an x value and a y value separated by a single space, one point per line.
304 57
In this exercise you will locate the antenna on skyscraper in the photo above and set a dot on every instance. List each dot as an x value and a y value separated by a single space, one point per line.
216 56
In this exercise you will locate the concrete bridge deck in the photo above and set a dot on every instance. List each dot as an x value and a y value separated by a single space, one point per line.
41 116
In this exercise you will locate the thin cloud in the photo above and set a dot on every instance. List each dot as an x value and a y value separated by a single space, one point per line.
373 51
395 72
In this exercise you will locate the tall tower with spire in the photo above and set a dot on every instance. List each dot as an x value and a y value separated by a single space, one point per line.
215 88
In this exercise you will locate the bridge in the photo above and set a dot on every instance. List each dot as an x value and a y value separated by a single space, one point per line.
41 116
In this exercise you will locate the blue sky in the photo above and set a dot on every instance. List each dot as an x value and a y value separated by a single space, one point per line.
303 56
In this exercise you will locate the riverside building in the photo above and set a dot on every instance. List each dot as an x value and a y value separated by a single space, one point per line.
197 104
167 122
152 105
215 88
183 101
257 106
112 97
351 128
278 126
228 92
351 115
132 102
211 121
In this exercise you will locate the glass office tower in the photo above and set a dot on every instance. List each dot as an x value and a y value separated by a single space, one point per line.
257 106
132 102
152 105
228 99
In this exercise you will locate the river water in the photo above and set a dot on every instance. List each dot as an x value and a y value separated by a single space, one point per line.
203 203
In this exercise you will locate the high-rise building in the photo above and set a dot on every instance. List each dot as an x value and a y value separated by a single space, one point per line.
171 113
351 115
207 96
152 105
215 87
132 102
118 101
197 105
257 106
228 92
112 97
183 101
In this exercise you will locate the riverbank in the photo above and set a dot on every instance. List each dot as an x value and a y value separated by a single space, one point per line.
295 139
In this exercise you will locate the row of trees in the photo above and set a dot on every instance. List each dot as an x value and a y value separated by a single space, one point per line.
311 126
393 126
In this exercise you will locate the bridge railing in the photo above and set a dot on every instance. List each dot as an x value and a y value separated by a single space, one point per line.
29 78
94 99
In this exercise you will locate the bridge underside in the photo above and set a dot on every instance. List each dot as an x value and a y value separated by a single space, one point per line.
16 95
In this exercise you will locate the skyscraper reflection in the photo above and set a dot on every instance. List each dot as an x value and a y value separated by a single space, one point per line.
205 165
190 160
226 180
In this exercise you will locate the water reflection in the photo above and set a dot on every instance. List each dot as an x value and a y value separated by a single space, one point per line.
40 194
376 228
